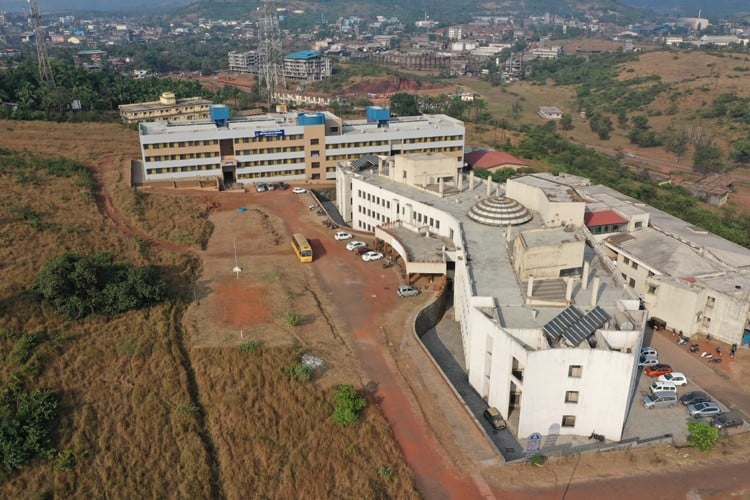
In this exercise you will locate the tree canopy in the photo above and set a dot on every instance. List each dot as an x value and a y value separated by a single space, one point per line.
80 285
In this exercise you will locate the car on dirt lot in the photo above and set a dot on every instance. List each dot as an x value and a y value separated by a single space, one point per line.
282 185
407 291
726 420
676 378
272 186
694 397
649 351
353 245
707 409
299 190
492 415
362 250
657 370
342 235
260 187
370 256
648 361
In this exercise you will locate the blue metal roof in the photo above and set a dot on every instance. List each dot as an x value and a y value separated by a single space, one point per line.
303 54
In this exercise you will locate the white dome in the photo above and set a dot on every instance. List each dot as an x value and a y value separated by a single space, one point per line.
499 211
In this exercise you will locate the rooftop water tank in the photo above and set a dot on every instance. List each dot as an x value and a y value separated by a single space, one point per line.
304 119
219 114
378 114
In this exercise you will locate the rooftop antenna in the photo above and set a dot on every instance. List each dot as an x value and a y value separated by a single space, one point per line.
237 267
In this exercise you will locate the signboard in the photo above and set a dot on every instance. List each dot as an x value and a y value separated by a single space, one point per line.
269 133
534 444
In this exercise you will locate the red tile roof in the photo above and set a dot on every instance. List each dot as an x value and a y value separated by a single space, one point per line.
491 159
603 218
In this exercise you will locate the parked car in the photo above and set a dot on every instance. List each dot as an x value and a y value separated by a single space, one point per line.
272 186
659 400
353 245
260 187
370 256
657 370
660 386
362 250
694 397
726 420
676 378
406 291
299 190
282 185
648 361
342 235
493 416
707 409
649 351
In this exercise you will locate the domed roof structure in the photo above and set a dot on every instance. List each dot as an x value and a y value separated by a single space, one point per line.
499 211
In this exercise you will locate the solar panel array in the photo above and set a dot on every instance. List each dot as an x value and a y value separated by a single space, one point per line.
365 161
573 326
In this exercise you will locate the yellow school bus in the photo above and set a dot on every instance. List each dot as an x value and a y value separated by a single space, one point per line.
302 248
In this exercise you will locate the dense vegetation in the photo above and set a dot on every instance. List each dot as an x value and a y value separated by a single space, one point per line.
80 285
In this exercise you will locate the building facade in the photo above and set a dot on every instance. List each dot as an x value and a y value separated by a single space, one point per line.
166 108
541 377
290 147
245 62
306 65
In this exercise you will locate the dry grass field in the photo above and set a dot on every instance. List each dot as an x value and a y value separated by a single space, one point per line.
143 412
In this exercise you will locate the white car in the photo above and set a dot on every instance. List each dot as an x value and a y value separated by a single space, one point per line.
353 245
649 351
676 378
370 256
342 235
299 190
630 155
648 361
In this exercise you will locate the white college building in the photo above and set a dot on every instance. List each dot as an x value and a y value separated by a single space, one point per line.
549 331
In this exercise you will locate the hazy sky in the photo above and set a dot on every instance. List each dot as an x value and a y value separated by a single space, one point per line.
57 5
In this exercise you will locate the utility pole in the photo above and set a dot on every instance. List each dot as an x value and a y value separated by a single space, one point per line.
45 70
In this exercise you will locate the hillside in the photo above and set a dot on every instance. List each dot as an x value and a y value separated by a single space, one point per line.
691 8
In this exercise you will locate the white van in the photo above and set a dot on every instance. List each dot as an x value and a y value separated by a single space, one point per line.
659 400
663 386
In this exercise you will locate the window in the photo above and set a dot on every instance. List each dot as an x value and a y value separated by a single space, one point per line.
571 396
569 421
575 371
315 164
631 283
651 289
638 225
710 301
314 141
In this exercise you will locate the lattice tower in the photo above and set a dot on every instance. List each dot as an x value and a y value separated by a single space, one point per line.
269 50
45 70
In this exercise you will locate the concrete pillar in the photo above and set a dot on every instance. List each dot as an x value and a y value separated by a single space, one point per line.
489 187
508 233
530 287
595 291
460 182
568 290
441 186
471 180
585 277
380 166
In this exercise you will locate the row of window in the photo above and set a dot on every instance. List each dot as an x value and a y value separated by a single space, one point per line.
375 199
366 227
416 140
372 213
270 163
423 219
180 144
270 138
632 263
185 156
446 149
255 175
187 168
262 151
363 144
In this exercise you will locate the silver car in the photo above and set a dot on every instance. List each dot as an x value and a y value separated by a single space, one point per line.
707 409
406 291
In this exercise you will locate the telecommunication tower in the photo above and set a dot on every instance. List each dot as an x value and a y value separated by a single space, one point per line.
45 70
269 50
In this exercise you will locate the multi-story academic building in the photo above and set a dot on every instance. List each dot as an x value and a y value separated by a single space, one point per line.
288 147
307 65
168 107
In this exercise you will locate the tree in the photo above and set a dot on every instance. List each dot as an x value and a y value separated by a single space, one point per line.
741 151
347 405
403 104
602 125
566 122
707 158
702 435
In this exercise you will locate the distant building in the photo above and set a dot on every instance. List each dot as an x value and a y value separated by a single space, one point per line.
166 108
245 62
550 113
492 160
307 65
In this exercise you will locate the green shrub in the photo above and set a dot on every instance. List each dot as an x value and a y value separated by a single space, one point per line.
702 435
347 406
293 318
250 346
299 372
537 459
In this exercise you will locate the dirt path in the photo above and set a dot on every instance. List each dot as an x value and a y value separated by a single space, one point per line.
106 205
